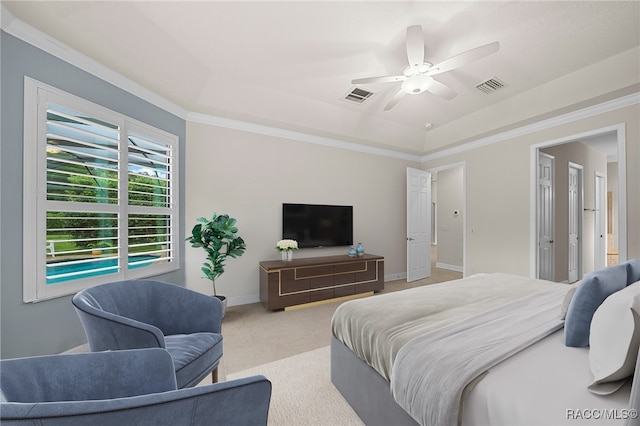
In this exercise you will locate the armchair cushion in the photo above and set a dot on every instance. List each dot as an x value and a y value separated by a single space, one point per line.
145 314
193 355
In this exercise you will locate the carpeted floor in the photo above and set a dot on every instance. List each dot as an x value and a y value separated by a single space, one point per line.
291 349
254 336
302 391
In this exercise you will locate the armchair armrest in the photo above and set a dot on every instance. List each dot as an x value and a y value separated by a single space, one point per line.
164 308
87 376
116 331
237 402
182 311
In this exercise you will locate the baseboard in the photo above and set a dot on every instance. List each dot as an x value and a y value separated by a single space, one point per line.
244 300
395 277
456 268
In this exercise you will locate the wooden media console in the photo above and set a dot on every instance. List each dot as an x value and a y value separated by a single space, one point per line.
301 281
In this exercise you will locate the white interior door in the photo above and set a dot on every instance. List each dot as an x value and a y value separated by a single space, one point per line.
600 251
418 224
575 221
545 211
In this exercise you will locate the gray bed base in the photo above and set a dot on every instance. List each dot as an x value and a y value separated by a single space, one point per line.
370 397
366 391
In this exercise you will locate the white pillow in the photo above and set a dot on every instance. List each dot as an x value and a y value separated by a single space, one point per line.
614 339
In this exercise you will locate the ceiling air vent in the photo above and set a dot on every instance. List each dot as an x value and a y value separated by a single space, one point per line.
490 86
357 95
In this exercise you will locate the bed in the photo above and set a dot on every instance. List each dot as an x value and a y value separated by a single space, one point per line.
485 349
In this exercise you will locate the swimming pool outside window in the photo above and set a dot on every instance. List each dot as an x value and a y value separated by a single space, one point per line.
99 195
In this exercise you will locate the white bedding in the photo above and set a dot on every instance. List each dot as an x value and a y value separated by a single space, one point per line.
377 327
444 362
545 384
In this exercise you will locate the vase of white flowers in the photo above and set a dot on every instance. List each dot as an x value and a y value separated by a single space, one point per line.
286 248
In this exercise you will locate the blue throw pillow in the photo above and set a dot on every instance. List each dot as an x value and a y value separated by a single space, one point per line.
633 271
591 292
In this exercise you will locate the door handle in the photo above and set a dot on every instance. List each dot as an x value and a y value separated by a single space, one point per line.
409 239
550 241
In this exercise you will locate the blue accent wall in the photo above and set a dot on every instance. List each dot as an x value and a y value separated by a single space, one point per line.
52 326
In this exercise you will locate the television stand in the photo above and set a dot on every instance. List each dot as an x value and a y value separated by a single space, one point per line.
314 279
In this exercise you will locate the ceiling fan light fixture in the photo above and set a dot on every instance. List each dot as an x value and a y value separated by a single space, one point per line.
424 67
417 77
417 84
412 70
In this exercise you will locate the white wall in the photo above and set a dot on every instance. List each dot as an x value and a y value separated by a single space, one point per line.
499 184
249 176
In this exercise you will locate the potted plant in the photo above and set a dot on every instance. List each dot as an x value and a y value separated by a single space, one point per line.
219 238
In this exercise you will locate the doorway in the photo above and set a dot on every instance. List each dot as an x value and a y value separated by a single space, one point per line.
616 182
449 218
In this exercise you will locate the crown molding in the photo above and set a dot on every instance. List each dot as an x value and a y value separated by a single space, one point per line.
297 136
601 108
12 25
40 40
48 44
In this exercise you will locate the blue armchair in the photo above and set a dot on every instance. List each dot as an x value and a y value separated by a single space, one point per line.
131 387
138 314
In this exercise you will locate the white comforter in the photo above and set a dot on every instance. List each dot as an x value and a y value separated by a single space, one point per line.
431 372
376 328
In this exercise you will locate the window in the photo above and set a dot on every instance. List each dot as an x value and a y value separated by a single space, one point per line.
99 195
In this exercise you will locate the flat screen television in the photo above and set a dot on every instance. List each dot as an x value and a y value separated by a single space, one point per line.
316 225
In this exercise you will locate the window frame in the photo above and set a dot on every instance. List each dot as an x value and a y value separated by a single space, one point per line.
37 97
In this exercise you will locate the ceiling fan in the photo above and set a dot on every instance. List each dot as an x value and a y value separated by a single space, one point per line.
417 77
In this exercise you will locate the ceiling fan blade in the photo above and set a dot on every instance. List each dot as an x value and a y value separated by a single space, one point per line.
415 45
442 91
464 58
382 79
394 101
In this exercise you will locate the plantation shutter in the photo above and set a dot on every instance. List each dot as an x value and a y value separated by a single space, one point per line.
150 201
82 193
100 199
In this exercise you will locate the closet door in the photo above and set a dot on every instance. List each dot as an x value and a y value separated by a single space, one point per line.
418 224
